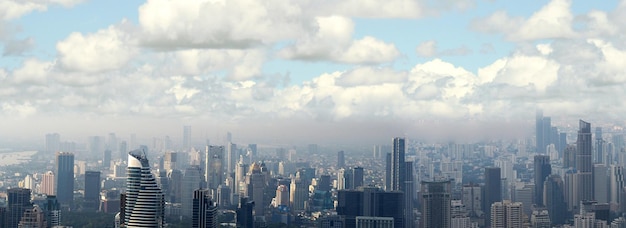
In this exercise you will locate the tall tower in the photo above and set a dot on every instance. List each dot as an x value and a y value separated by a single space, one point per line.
214 170
204 210
584 162
65 178
409 189
540 146
144 204
388 171
186 138
436 204
47 184
492 191
542 170
92 190
599 155
554 200
341 159
397 165
357 177
191 181
18 200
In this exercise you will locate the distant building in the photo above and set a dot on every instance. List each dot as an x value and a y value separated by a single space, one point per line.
540 219
18 201
584 162
436 203
341 159
492 190
33 218
65 178
507 214
542 169
47 183
186 138
53 143
244 216
214 166
192 181
92 191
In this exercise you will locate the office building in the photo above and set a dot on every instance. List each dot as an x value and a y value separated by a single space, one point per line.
436 203
214 170
192 180
370 202
616 185
542 169
106 159
65 178
540 145
244 216
204 210
584 162
143 204
47 183
599 147
409 189
357 177
170 161
256 184
341 159
232 155
53 143
388 172
92 191
53 211
123 150
506 214
540 219
33 217
397 164
374 222
472 199
492 190
18 201
299 193
554 199
600 183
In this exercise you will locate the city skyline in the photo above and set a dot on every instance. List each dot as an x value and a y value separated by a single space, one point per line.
333 67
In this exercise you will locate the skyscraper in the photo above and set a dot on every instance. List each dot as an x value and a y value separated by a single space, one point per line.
65 178
244 213
123 150
186 138
204 210
409 187
214 170
53 143
341 159
436 203
92 191
554 200
599 152
357 177
542 170
540 146
47 183
372 202
144 202
191 181
397 165
231 157
388 172
18 200
106 159
492 191
584 162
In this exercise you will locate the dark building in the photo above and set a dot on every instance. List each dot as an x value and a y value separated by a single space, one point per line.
372 202
341 159
65 178
53 211
569 156
324 184
204 210
397 164
436 204
18 200
540 146
542 169
244 213
492 191
584 161
599 155
357 177
554 199
92 191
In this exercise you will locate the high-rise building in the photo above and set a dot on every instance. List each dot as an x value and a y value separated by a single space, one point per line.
96 145
492 190
436 203
186 138
106 159
144 202
232 155
47 183
540 146
170 161
472 199
409 189
18 200
192 180
599 152
507 214
584 162
542 169
298 193
388 171
616 185
554 200
65 178
357 177
540 219
33 217
397 164
204 210
214 170
53 211
341 159
256 185
282 196
92 191
600 183
569 156
244 213
123 150
53 143
371 202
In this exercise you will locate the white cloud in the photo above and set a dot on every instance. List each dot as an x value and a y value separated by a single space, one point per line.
108 49
12 9
427 48
33 71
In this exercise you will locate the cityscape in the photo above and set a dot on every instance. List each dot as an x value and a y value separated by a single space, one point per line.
312 113
558 177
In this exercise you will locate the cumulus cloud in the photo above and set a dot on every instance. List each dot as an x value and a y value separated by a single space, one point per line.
554 20
430 49
12 9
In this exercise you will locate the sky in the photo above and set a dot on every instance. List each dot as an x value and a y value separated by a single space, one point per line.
310 69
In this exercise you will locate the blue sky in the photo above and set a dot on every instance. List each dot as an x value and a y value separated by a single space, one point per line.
240 62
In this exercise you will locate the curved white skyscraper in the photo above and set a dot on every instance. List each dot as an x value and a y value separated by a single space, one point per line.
144 200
